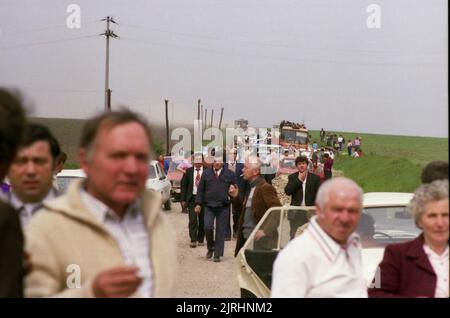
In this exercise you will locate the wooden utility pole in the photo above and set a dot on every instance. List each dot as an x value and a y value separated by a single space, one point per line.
221 116
203 125
167 126
198 110
212 116
108 33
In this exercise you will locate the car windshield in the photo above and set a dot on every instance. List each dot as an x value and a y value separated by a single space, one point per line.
64 182
287 163
391 224
151 172
173 165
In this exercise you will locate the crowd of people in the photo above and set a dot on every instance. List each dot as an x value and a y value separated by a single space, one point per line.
107 236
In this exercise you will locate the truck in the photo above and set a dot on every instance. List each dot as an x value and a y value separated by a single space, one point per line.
293 134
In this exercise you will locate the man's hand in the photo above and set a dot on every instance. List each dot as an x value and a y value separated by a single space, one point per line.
259 234
302 175
198 209
184 204
233 191
116 282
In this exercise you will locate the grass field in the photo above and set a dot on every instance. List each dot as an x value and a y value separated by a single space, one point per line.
389 163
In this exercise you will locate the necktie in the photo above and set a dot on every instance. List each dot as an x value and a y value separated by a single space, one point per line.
197 178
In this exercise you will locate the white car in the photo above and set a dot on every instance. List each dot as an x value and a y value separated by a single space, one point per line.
157 180
66 176
392 224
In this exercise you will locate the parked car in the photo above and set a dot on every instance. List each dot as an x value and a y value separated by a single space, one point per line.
157 180
66 176
286 166
393 224
174 176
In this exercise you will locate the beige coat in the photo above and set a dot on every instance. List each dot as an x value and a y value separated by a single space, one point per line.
66 233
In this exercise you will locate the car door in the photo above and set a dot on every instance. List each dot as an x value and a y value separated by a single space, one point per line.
255 259
164 183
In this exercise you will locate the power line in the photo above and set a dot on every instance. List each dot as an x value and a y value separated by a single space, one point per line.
171 32
44 28
282 59
47 42
278 45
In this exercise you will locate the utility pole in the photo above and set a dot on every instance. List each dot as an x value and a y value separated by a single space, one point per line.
203 125
206 116
221 115
212 116
198 110
167 126
108 33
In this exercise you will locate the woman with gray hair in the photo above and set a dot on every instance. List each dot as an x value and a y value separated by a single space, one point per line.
419 268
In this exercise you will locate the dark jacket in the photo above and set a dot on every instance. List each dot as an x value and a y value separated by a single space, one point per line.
187 185
264 197
11 253
295 190
213 191
238 174
405 271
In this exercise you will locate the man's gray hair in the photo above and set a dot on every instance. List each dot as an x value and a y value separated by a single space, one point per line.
323 194
254 162
426 193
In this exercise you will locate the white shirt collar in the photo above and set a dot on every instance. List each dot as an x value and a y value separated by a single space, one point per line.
18 204
433 254
102 211
330 245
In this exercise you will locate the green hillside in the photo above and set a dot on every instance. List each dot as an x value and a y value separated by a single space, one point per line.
389 163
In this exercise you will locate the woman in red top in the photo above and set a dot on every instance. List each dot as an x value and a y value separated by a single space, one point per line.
419 268
327 166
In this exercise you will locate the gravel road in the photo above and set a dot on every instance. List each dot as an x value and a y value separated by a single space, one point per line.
199 277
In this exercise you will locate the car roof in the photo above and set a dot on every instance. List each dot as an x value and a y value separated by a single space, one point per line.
77 173
386 198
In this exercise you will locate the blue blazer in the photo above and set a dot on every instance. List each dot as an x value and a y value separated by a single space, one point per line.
212 190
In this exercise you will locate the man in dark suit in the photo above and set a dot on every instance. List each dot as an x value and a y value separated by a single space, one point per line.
236 167
302 186
212 193
189 186
258 198
12 126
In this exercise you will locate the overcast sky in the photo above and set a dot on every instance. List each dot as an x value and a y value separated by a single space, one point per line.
315 61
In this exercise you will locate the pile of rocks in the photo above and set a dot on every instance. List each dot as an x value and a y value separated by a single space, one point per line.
279 183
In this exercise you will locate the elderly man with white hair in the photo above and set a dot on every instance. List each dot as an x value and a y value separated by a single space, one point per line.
325 261
259 197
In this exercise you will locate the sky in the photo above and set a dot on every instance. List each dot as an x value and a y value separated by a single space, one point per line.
340 65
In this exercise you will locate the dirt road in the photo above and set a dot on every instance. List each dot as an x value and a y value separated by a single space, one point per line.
199 277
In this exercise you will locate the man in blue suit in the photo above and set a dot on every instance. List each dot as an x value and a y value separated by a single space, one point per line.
212 193
236 167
